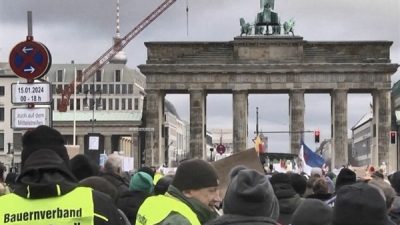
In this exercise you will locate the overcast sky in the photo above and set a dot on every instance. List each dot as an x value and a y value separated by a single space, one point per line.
82 30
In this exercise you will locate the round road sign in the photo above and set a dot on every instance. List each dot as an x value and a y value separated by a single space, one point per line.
221 149
30 59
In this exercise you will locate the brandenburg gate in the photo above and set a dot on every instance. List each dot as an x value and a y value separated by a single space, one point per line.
269 64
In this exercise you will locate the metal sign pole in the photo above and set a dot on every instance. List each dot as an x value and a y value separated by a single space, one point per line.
30 34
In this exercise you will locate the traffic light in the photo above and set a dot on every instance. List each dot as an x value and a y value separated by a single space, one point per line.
393 137
316 136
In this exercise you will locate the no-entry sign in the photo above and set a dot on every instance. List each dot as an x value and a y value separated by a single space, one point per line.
30 59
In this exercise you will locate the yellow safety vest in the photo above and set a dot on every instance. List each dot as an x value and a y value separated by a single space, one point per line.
156 208
157 177
73 208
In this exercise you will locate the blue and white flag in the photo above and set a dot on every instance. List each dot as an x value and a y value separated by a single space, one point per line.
311 158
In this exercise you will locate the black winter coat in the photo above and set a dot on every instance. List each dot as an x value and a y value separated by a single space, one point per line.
46 174
129 202
119 182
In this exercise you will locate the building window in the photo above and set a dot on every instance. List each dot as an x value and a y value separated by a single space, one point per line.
110 104
59 88
123 104
129 104
98 88
78 104
116 104
71 104
117 89
136 104
98 76
85 103
111 89
103 103
1 114
123 89
60 75
104 90
17 145
79 74
1 90
130 88
117 76
79 89
1 141
85 88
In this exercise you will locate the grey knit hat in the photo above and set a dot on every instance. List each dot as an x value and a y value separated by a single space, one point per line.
359 204
250 194
195 174
312 212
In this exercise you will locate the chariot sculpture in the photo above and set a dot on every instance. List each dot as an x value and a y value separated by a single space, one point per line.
267 22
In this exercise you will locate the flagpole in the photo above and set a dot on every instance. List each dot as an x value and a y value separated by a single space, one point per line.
74 129
257 121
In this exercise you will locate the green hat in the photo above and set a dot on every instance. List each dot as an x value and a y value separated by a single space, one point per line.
141 181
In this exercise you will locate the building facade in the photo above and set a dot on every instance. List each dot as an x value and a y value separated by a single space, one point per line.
109 103
10 139
362 136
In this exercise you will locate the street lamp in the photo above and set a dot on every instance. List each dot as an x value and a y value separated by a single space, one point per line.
96 104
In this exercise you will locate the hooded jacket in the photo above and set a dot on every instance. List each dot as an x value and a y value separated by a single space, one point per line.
45 175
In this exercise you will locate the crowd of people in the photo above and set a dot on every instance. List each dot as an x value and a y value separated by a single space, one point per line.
51 188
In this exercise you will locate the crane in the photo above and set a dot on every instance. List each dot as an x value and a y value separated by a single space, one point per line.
111 52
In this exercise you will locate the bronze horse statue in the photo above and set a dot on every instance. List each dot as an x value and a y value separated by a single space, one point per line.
245 28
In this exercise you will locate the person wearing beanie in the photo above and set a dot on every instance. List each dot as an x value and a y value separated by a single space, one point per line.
299 183
394 213
288 199
249 200
312 212
140 188
141 181
190 198
162 184
359 204
147 170
83 167
345 177
46 184
388 192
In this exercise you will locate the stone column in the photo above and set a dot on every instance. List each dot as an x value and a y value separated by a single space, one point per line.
153 113
197 123
296 114
240 114
339 128
382 120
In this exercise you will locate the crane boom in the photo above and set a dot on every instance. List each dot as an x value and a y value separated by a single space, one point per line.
111 52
